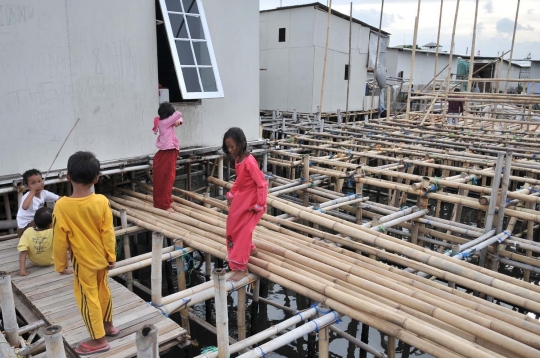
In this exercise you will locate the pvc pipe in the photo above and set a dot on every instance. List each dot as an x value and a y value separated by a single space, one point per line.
474 242
222 317
157 247
146 340
54 343
293 335
8 310
400 220
28 350
127 250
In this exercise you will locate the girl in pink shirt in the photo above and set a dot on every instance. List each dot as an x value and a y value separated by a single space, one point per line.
164 168
246 199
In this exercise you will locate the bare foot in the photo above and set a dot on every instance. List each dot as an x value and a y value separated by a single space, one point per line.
171 210
254 252
66 271
238 275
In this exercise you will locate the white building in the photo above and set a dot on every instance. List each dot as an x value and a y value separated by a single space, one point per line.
534 74
98 61
398 65
292 47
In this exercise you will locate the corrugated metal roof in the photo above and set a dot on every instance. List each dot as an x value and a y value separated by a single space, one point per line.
319 6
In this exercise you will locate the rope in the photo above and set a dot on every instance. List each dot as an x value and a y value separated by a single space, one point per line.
232 285
316 326
262 352
381 228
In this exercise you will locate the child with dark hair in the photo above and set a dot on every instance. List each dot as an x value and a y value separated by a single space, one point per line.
455 109
35 198
246 199
37 243
83 223
164 167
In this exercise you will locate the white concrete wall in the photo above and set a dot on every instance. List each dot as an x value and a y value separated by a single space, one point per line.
96 60
292 75
424 65
90 60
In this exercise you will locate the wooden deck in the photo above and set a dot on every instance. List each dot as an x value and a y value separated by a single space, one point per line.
50 296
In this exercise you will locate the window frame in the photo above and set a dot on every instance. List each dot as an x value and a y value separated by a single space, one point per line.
347 74
174 52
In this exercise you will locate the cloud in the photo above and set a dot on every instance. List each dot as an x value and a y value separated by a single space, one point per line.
507 26
479 28
489 6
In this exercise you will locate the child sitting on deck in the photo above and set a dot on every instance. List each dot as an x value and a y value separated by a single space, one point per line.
35 198
37 243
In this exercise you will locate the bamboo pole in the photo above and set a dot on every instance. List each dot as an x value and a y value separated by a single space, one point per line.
241 314
157 247
181 279
411 75
222 319
376 66
349 67
325 56
9 316
471 58
511 49
147 342
127 251
437 49
53 342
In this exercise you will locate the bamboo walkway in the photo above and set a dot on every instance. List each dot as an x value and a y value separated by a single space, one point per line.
50 295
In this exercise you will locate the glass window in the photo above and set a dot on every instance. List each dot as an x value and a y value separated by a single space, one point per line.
178 26
196 30
208 80
190 6
201 53
191 48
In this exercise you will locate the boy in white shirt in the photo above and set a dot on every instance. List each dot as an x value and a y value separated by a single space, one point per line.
35 198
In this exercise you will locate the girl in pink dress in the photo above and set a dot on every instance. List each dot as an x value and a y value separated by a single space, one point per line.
246 199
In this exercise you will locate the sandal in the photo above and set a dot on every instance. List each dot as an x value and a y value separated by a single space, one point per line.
91 350
114 333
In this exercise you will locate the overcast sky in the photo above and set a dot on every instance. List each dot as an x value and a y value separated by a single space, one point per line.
494 29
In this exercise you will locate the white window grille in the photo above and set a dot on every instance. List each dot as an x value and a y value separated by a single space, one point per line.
191 48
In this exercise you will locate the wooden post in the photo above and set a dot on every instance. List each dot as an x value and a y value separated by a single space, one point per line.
222 317
377 62
241 314
449 73
324 339
411 74
7 209
359 191
181 278
471 59
530 237
511 51
188 177
54 344
325 55
388 101
220 175
8 310
157 248
127 249
349 68
147 342
391 347
437 49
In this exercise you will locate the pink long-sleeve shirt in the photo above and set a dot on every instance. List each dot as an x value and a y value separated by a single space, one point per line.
167 137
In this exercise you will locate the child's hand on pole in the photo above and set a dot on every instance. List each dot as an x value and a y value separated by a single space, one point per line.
111 265
229 201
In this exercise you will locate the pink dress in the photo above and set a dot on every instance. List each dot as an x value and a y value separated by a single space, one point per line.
249 191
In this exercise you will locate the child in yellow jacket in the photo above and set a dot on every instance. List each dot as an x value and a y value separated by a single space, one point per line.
83 223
